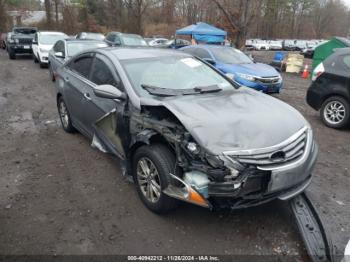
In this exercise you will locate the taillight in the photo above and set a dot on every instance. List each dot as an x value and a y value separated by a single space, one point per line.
319 70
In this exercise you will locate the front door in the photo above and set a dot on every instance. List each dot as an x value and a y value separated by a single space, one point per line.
105 115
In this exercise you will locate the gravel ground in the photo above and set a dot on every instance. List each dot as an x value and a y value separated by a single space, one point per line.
60 196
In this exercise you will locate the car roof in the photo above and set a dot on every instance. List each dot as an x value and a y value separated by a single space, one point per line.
25 27
206 46
342 51
119 33
50 33
126 53
83 40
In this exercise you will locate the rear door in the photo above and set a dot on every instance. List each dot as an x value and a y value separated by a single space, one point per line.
77 87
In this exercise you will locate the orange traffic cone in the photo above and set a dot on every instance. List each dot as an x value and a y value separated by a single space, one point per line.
305 73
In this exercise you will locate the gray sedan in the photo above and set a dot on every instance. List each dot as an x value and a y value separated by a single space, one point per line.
183 130
63 50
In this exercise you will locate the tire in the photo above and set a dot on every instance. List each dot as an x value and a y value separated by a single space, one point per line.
335 112
52 76
35 59
42 65
164 162
65 118
12 55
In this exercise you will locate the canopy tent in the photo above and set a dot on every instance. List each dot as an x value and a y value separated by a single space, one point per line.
324 50
203 32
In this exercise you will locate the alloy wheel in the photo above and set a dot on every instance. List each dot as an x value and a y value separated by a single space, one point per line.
64 114
148 179
334 112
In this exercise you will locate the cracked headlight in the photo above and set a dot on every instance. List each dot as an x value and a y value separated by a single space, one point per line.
246 77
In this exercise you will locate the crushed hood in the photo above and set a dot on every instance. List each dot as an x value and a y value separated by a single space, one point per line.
233 120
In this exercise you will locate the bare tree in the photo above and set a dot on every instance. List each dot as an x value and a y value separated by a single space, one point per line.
240 14
48 13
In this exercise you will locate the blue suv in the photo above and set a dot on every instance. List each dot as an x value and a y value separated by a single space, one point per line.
234 63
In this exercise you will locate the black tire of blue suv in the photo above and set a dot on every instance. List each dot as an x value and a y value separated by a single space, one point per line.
344 104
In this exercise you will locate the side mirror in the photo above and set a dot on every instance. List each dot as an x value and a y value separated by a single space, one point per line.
59 54
210 61
109 91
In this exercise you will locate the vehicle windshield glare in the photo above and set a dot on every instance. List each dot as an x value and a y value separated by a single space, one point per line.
93 36
25 31
133 40
230 56
75 48
51 39
165 76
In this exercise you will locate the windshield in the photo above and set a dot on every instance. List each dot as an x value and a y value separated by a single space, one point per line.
173 76
51 39
133 40
230 56
93 36
75 48
26 31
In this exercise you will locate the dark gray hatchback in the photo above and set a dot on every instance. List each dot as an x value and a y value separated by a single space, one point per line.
183 130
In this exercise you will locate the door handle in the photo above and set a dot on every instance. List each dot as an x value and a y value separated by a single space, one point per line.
87 96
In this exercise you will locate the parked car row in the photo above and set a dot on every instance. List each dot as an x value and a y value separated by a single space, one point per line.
286 44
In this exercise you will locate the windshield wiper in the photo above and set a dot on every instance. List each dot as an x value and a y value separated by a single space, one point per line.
207 89
160 91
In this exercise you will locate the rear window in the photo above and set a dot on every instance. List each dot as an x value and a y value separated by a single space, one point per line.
25 31
346 60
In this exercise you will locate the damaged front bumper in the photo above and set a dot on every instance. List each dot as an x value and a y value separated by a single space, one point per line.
253 186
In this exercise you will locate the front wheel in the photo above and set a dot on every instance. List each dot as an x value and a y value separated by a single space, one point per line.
335 112
151 167
12 55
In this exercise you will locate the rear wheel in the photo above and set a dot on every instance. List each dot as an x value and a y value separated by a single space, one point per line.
52 75
335 112
64 116
151 168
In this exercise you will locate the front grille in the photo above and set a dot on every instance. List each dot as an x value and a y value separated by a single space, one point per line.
288 151
25 41
268 80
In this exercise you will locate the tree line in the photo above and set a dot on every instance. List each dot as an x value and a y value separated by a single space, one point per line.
266 19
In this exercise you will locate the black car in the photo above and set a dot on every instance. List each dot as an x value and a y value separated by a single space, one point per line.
330 89
21 41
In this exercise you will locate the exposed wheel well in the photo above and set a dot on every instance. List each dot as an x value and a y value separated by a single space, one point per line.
155 139
334 94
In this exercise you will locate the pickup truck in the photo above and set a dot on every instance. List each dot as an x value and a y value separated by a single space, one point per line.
20 41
